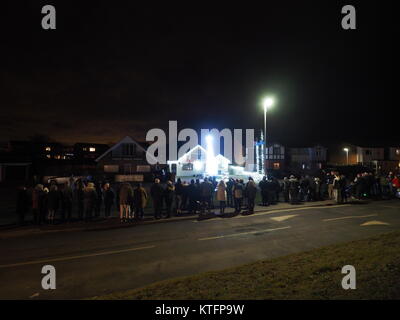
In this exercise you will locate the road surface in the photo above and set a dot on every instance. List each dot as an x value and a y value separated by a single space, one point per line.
91 263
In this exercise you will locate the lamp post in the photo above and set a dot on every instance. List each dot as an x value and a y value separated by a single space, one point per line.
267 103
347 155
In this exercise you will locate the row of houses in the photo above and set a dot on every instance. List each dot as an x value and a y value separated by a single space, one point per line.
126 160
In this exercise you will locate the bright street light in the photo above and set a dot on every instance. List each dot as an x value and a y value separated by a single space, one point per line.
347 155
267 103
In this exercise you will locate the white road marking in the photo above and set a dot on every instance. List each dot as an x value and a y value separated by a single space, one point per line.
350 217
283 218
374 223
391 207
74 257
273 211
242 233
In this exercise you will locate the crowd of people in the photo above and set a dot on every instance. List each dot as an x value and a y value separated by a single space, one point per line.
90 199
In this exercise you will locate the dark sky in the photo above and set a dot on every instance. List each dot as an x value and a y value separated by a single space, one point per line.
113 68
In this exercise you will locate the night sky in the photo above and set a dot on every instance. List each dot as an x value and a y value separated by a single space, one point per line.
112 69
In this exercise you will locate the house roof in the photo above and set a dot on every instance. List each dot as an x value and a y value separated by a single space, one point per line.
127 139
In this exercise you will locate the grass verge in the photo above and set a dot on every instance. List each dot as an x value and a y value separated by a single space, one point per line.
313 274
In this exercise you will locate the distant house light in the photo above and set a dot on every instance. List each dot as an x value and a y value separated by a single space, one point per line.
91 149
48 149
398 151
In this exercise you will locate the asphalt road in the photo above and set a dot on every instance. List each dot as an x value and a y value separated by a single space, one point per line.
90 263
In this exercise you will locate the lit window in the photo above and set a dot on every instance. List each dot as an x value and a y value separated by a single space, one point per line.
92 149
276 165
398 151
48 149
48 156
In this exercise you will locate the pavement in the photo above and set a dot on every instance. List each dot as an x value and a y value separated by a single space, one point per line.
101 223
96 261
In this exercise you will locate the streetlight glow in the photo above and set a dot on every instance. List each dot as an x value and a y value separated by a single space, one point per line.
347 155
268 103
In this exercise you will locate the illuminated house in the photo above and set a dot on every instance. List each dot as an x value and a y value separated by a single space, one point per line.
196 161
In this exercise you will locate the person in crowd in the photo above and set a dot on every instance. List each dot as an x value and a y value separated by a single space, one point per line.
317 184
45 206
238 189
206 190
38 204
191 193
125 202
285 188
229 195
251 192
178 196
67 200
157 193
264 191
357 186
89 200
99 200
338 188
184 196
140 201
221 196
329 181
108 199
304 184
396 185
22 204
169 193
293 189
270 188
344 188
80 196
276 187
390 178
213 189
53 203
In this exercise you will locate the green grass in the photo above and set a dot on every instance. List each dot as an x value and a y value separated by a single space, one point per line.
313 274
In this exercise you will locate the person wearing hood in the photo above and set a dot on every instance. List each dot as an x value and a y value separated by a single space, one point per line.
251 192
